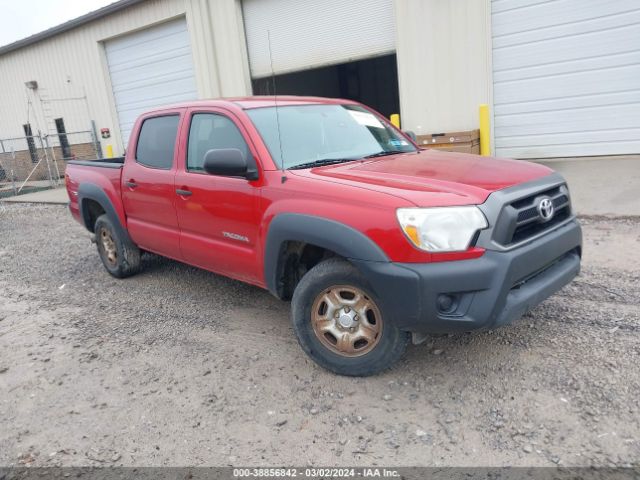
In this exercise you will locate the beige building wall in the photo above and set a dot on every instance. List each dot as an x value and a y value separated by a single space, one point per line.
72 75
219 47
444 63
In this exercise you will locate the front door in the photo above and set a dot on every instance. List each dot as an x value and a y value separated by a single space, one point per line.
218 216
148 190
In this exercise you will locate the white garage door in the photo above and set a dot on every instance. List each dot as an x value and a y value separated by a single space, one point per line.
566 77
313 33
150 68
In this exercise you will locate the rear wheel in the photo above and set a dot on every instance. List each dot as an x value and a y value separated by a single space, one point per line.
340 323
120 256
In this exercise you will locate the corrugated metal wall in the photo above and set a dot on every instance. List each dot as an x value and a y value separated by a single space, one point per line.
566 77
309 34
72 64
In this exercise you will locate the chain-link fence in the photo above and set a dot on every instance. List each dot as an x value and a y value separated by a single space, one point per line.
38 162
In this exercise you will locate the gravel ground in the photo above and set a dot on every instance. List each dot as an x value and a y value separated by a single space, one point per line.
178 366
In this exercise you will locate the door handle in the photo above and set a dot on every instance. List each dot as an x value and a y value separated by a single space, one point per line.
131 183
184 193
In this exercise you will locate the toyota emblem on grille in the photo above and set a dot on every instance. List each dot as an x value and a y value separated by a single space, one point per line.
545 209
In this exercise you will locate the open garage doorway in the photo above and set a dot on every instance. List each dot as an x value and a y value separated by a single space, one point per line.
373 81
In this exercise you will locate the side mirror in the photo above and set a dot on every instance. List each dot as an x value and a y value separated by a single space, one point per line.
411 135
228 162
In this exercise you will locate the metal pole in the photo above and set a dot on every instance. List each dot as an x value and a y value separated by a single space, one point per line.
55 160
11 168
13 172
96 142
46 156
485 130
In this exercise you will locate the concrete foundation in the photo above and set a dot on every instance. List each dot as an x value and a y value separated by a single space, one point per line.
602 185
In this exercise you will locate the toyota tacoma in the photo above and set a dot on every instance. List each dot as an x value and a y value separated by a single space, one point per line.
323 202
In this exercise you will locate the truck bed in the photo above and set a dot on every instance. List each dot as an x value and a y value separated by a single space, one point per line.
100 177
116 162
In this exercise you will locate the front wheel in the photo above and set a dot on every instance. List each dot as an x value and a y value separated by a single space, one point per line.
340 323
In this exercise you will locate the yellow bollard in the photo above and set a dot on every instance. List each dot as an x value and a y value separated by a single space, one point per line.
109 151
395 120
485 127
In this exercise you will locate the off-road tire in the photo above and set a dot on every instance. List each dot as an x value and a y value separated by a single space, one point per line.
389 345
120 256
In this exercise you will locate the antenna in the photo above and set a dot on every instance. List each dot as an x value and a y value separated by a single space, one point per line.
275 101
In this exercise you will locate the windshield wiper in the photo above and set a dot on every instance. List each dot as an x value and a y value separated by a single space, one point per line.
384 153
322 162
332 161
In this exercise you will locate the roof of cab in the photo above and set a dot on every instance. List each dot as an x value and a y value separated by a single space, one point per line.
270 101
247 103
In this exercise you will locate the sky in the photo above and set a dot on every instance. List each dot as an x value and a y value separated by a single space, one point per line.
22 18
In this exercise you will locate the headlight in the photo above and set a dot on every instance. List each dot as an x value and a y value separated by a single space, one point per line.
442 229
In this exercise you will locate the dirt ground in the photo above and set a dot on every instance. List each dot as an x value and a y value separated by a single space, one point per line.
178 366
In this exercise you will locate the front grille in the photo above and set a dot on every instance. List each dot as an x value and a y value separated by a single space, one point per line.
523 232
532 212
528 222
527 201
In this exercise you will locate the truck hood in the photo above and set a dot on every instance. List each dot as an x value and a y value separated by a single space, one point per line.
432 177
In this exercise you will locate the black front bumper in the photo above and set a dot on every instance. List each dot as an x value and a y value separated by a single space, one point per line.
486 292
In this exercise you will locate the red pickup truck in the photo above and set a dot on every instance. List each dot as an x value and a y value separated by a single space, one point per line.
323 202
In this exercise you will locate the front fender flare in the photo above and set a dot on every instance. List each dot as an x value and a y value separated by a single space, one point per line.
337 237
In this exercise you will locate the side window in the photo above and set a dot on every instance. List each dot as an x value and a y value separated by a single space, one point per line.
211 131
157 141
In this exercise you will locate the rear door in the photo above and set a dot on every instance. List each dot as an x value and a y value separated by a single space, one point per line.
218 215
148 190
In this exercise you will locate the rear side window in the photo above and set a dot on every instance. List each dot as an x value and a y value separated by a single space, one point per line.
157 141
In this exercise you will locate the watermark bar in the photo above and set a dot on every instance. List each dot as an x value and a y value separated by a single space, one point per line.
325 473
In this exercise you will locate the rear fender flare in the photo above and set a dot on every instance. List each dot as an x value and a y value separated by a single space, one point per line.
90 191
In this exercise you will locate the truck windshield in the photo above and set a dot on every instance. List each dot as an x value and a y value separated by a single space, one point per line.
323 134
